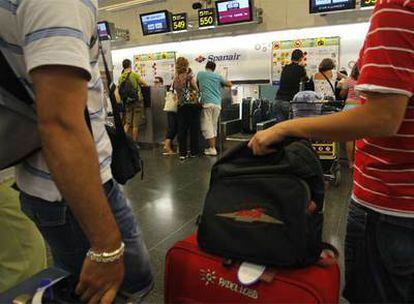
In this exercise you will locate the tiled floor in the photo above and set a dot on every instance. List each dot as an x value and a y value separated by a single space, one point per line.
169 199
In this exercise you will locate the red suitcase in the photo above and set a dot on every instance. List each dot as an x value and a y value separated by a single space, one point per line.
192 276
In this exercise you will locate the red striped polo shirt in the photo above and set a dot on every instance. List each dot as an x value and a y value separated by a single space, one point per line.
384 167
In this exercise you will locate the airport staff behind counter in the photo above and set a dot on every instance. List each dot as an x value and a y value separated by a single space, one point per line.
292 75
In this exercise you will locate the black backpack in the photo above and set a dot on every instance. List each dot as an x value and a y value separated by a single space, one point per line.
256 209
19 136
128 93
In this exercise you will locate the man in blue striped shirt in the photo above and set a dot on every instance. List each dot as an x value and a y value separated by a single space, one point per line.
67 189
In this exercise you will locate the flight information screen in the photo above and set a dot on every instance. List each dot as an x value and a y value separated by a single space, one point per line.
155 23
103 30
322 6
234 11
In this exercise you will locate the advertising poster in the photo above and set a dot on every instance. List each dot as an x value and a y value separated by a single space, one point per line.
315 49
156 64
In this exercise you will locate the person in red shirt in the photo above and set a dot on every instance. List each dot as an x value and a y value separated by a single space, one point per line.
379 245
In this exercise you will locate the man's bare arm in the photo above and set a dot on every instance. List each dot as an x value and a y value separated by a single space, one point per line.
70 153
61 95
381 116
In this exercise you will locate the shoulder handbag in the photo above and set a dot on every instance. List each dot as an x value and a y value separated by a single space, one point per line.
191 96
171 100
330 83
126 161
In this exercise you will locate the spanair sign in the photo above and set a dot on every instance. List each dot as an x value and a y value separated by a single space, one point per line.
210 278
218 58
237 62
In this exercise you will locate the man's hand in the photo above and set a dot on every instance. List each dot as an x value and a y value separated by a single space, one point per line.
262 142
100 282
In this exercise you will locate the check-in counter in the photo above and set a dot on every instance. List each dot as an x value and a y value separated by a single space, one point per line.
155 128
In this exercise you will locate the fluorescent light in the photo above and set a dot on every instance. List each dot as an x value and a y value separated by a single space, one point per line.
128 4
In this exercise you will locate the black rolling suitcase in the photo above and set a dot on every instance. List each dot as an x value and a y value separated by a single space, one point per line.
279 110
231 112
251 114
246 113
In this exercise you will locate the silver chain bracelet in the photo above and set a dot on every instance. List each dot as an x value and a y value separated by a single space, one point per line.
106 257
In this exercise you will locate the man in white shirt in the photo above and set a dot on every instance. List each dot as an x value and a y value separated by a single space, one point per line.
67 189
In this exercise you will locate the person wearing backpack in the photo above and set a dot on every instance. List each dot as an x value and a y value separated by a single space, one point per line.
129 88
67 188
379 244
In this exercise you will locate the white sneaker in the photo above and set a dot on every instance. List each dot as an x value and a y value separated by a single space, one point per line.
210 152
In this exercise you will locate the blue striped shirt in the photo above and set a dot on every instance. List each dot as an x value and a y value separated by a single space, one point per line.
35 33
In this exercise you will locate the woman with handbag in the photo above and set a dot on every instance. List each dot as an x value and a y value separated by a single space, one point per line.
171 107
324 81
189 108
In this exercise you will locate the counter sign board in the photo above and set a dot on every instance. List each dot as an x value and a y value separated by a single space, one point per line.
315 50
206 18
179 22
368 3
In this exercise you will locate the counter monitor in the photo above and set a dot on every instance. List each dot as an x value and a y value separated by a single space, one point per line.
155 23
206 18
323 6
104 31
234 11
179 22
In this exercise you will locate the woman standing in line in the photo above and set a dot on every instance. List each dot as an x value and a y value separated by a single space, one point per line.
326 78
189 111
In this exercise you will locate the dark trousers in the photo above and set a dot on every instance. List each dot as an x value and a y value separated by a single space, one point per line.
172 125
189 123
379 257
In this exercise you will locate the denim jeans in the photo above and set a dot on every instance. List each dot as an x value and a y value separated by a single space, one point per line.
379 257
69 244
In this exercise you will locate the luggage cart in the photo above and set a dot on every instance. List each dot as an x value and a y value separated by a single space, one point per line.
308 104
328 155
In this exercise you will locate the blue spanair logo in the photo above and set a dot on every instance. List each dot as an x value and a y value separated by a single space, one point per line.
218 58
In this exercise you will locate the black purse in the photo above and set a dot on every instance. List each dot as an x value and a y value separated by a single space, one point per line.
126 161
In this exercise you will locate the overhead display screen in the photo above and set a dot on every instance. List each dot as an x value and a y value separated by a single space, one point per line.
234 11
104 32
155 23
323 6
368 3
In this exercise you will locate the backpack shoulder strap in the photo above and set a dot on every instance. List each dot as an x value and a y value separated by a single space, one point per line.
11 83
329 81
